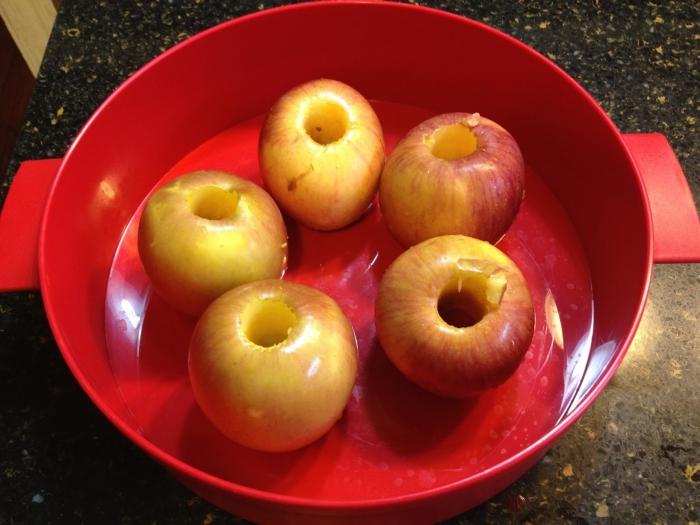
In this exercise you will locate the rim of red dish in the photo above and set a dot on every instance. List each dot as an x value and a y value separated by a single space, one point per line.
177 464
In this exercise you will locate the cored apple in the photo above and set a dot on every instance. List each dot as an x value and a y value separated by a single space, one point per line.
321 153
272 364
454 315
206 232
457 173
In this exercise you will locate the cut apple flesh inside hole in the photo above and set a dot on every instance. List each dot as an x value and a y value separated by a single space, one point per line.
326 121
475 289
452 142
213 203
460 309
268 322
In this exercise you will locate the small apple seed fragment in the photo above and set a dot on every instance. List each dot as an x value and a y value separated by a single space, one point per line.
326 120
473 120
213 203
268 322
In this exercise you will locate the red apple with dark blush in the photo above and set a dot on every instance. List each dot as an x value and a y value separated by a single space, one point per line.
456 173
454 315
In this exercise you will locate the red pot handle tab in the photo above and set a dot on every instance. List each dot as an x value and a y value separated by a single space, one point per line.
20 221
676 227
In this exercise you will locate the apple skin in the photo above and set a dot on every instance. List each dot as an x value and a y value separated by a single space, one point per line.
190 259
449 360
323 186
423 195
273 397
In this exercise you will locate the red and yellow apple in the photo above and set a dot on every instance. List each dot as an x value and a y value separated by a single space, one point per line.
206 232
456 173
321 152
272 364
454 315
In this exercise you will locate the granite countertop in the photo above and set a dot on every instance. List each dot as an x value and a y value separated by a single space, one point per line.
634 457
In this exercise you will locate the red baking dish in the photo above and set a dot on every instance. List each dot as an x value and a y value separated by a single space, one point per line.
600 209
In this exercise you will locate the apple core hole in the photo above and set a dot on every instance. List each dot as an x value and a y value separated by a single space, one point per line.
461 309
268 322
326 121
213 203
453 142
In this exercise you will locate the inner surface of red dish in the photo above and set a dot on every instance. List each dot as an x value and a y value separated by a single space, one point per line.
394 439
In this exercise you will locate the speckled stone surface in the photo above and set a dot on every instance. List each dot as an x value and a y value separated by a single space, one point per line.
634 457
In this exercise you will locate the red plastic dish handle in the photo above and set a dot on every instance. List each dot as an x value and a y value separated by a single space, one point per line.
20 221
675 219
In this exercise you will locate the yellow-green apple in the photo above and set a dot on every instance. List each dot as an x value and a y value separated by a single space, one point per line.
321 153
272 364
206 232
454 314
456 173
